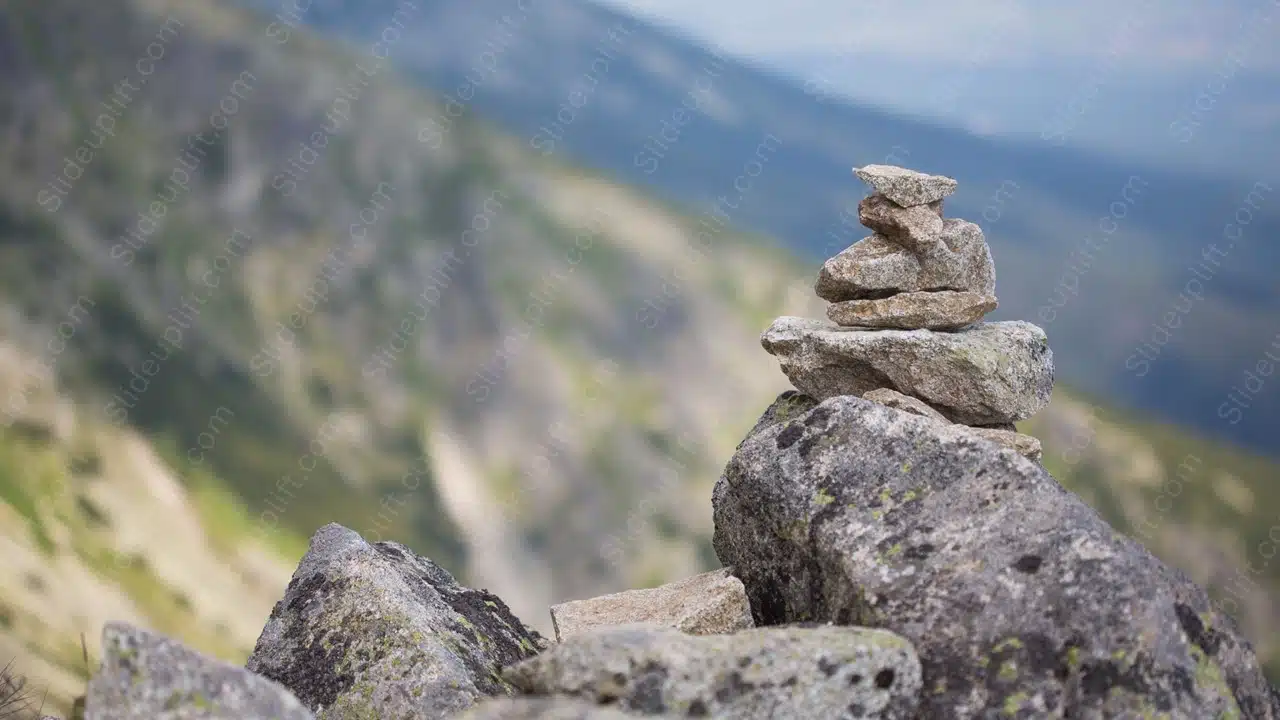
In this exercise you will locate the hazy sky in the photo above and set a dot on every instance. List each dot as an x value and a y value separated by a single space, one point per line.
1006 32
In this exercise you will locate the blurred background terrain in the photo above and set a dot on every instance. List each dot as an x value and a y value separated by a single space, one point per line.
459 275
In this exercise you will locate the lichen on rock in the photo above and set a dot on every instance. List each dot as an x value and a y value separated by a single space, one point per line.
375 630
1016 595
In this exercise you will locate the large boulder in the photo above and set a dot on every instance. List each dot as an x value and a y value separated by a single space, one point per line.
145 676
792 672
1019 599
989 373
706 604
378 631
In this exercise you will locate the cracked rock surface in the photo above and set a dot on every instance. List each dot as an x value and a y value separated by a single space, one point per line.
1019 599
778 672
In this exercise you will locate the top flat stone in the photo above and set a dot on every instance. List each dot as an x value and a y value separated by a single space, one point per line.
907 188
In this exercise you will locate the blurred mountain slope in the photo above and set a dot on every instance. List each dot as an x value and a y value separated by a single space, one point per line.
565 348
1097 247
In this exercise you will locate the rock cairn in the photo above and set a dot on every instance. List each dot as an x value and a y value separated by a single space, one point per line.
904 324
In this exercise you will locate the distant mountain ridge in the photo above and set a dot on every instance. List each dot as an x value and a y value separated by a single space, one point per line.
1040 203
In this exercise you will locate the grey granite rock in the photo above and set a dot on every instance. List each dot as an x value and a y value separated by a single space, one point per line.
788 406
906 187
706 604
1019 599
145 676
378 631
530 708
877 266
940 310
791 672
988 373
905 403
1025 445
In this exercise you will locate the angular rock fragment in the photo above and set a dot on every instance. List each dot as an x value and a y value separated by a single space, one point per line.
905 403
1024 445
877 267
988 373
145 676
918 229
1020 600
378 631
706 604
529 708
941 310
907 188
784 672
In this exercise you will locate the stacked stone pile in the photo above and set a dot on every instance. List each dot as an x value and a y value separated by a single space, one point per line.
904 326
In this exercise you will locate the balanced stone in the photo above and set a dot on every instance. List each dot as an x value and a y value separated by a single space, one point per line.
878 266
941 310
706 604
917 229
906 187
775 672
987 374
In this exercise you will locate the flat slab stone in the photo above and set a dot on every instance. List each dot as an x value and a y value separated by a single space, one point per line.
905 187
941 310
774 672
707 604
878 266
986 374
145 676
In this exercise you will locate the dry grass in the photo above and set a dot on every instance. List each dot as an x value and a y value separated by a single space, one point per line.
16 699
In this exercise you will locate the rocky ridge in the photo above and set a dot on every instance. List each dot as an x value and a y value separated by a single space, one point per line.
883 558
904 319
